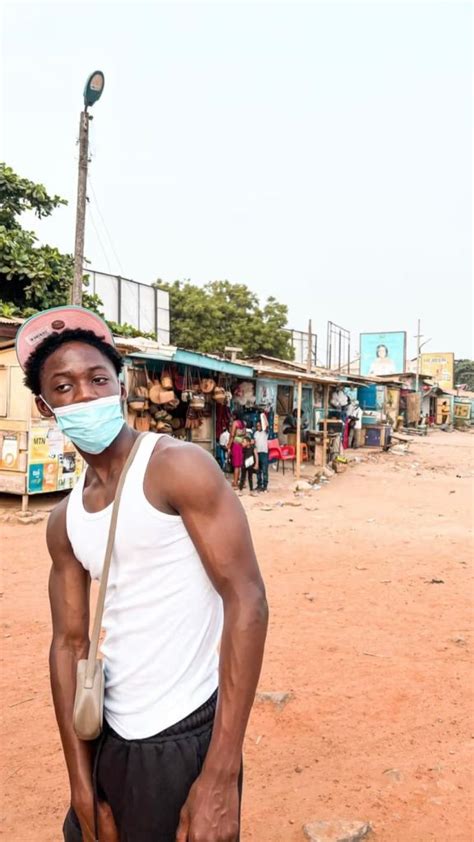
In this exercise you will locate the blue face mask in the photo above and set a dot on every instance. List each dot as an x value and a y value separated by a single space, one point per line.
92 425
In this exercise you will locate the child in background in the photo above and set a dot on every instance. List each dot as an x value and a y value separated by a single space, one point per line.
250 462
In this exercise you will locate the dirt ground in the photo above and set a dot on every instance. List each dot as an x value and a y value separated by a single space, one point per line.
369 581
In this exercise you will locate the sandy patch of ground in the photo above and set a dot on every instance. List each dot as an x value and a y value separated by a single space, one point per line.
377 656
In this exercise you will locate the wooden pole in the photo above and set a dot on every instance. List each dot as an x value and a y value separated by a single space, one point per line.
325 423
76 291
310 349
298 430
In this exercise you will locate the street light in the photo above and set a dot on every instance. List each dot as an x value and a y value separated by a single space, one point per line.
92 92
94 87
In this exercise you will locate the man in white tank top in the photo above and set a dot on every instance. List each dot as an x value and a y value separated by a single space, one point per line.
183 580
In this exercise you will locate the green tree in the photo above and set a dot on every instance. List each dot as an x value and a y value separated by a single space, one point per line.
464 373
34 277
221 314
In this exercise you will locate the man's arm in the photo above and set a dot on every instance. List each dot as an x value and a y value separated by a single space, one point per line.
218 527
69 586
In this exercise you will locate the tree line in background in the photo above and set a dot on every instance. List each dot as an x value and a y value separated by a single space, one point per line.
207 319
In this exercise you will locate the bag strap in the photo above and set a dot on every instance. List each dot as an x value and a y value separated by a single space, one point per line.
94 644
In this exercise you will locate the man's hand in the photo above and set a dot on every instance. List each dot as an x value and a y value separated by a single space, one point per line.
211 812
107 828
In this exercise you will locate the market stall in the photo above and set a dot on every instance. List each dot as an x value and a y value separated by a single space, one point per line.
188 395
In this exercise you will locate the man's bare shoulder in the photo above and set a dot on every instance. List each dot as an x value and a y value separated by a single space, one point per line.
56 531
182 454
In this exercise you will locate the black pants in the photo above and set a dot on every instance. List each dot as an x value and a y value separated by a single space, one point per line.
146 782
246 472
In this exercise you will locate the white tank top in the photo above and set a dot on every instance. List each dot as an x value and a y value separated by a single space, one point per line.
162 617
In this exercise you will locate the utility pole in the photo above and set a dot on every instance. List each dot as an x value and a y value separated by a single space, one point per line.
419 346
81 207
92 92
418 349
310 348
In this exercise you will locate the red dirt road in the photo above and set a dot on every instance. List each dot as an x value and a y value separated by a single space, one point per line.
377 656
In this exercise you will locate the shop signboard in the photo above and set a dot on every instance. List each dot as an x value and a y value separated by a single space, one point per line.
462 410
9 451
53 463
383 353
267 393
440 368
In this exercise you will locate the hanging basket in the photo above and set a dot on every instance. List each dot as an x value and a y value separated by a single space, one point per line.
219 395
142 423
136 403
186 396
163 427
159 395
208 385
166 380
172 404
198 401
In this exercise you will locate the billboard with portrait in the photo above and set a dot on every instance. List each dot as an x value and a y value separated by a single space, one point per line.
440 367
383 353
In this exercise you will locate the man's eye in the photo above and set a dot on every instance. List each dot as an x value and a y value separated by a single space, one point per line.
100 379
63 387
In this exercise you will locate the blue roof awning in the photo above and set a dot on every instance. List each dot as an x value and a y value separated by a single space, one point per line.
197 360
211 364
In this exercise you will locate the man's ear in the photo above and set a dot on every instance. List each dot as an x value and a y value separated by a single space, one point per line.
43 408
123 392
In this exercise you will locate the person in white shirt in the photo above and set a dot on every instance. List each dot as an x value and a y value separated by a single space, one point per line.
261 444
222 449
355 414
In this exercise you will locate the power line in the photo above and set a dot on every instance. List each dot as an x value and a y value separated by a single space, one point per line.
100 240
105 226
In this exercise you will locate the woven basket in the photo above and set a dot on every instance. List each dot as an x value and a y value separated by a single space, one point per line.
208 385
159 395
172 404
162 427
198 401
166 380
142 423
136 403
219 395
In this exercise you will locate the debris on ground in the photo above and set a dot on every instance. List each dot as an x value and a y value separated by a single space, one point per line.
279 699
336 831
394 774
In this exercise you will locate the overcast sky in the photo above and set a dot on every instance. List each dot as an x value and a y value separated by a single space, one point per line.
317 152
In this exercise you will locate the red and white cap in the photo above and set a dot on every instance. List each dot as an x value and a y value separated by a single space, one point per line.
41 325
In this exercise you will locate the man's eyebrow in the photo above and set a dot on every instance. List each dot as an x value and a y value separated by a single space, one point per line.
69 373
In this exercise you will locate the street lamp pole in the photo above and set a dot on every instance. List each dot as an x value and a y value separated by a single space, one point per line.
418 337
419 346
92 92
81 207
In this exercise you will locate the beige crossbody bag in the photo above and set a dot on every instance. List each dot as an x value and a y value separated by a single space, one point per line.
88 710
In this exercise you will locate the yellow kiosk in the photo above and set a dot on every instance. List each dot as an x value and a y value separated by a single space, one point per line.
35 456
